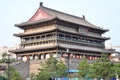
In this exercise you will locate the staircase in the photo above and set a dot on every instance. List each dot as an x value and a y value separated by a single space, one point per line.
23 69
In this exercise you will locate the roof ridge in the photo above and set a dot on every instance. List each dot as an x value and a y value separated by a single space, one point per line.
46 11
61 12
67 14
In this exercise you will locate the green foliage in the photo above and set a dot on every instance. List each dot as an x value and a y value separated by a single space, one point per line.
14 74
4 55
51 69
117 68
95 70
61 69
4 59
83 68
43 75
2 78
104 58
102 68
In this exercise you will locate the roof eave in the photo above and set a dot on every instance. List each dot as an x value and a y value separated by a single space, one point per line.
101 29
107 38
21 34
105 30
31 49
34 22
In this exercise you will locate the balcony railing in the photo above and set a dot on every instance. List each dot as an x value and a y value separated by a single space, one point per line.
101 45
83 42
39 40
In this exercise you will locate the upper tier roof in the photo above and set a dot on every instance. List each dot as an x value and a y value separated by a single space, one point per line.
44 14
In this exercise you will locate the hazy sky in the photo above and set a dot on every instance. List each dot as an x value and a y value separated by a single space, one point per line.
103 13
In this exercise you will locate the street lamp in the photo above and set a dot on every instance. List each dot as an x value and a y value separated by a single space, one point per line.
68 63
8 62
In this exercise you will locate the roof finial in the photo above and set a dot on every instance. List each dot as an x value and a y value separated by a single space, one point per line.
41 3
83 16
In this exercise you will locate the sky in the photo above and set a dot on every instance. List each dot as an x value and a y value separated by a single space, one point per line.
102 13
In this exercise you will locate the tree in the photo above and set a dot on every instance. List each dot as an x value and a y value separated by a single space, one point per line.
83 68
4 55
51 66
3 60
95 70
2 78
102 68
51 69
43 74
61 69
117 69
48 69
14 74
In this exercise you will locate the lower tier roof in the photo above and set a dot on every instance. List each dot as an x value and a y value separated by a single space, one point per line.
78 48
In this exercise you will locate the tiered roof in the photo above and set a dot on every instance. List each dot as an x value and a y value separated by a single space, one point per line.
82 48
44 14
